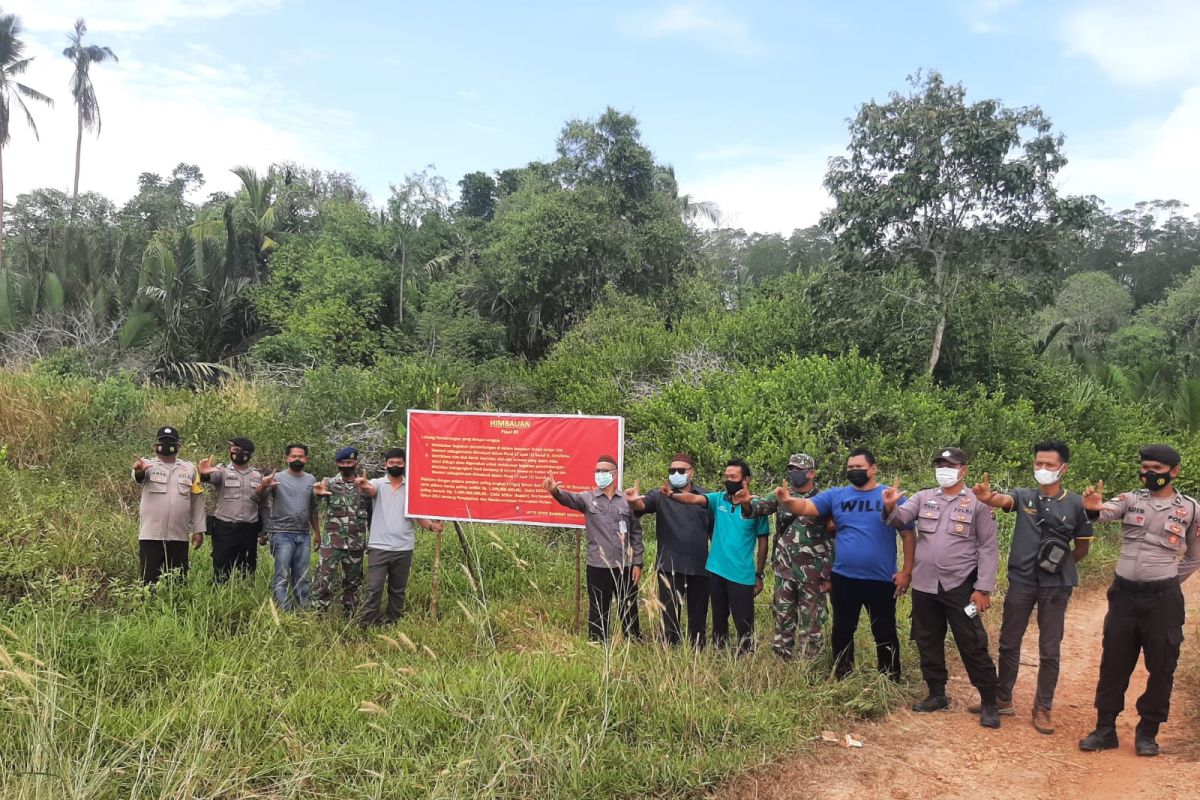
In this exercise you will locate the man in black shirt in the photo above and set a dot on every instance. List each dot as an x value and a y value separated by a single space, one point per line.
1051 533
683 534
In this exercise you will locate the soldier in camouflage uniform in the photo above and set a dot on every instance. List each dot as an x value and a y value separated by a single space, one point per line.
802 562
344 536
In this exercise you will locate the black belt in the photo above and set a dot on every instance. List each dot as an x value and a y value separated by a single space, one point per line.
1144 587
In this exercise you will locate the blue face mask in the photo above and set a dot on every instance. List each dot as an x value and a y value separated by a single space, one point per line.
678 481
603 479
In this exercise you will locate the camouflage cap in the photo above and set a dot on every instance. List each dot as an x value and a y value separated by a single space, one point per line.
802 461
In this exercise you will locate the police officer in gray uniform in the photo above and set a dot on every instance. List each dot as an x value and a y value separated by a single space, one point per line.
236 520
1160 548
171 509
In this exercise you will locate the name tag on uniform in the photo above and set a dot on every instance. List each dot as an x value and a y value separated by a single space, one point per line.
623 527
1135 519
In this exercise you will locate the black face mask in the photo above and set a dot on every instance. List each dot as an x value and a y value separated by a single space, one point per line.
240 458
798 477
166 449
346 471
395 472
296 466
858 477
1156 480
733 487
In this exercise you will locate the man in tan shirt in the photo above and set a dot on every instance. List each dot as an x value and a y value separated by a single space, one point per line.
171 510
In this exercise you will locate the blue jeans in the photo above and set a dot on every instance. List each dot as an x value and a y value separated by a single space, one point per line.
293 555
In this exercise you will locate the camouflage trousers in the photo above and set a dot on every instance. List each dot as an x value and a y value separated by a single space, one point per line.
351 562
800 609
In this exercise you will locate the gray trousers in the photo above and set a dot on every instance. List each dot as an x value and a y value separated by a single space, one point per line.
1051 602
388 567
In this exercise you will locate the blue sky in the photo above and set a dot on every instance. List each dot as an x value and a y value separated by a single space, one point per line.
747 100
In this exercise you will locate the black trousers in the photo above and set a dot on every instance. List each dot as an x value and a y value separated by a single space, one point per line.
234 546
390 568
603 586
848 596
735 600
1146 617
156 557
675 589
931 615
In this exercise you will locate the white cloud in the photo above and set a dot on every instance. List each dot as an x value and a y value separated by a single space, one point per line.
983 15
1138 44
199 108
1151 159
127 16
779 195
711 26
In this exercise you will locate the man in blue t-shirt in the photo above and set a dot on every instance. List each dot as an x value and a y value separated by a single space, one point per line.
864 562
736 559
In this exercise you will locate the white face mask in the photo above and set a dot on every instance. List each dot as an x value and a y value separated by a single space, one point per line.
603 479
678 481
1046 477
946 476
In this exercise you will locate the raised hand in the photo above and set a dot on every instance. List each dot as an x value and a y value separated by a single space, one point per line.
632 495
268 480
362 481
892 495
741 497
983 490
206 466
1093 497
782 493
140 464
321 488
551 484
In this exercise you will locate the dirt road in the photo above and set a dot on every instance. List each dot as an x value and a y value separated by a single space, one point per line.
946 755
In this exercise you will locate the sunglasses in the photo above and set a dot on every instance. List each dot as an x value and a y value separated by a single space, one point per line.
678 470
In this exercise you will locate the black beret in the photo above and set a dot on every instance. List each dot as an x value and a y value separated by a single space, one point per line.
1162 453
242 442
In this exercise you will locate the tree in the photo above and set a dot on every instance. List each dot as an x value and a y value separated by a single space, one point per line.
86 106
477 195
943 183
13 64
1089 307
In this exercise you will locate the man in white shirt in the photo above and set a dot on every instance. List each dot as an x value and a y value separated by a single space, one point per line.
391 543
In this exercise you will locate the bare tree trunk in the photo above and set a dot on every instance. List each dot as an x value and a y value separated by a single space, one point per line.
78 152
939 288
1 208
936 352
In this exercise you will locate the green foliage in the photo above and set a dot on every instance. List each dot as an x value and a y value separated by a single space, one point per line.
326 297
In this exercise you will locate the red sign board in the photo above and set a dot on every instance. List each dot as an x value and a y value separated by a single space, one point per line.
490 467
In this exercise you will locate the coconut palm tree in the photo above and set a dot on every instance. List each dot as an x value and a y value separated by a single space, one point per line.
13 64
86 106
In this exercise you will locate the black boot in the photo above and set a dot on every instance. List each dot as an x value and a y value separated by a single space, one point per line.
936 701
1105 735
1144 738
989 716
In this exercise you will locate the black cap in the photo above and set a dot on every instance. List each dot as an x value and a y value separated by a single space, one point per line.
1162 453
242 442
167 434
951 454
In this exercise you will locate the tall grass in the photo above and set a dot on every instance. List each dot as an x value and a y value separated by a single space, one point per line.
110 690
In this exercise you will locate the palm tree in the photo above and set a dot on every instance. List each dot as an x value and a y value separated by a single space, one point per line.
83 56
13 63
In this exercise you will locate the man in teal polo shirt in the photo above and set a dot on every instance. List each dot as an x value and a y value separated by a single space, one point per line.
736 558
